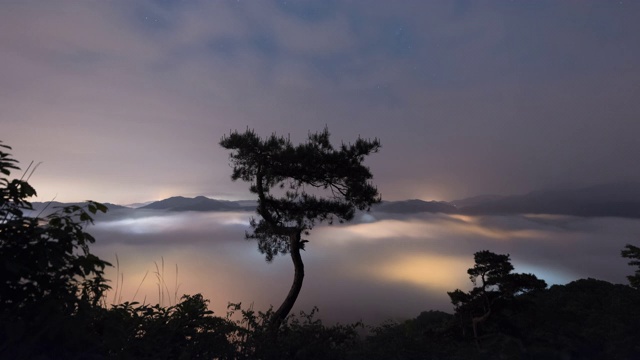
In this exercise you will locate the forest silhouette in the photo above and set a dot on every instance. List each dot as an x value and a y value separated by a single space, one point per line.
54 304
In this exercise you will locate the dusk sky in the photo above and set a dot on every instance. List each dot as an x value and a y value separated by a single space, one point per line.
126 101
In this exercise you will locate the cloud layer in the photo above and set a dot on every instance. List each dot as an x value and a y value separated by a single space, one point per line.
126 102
390 267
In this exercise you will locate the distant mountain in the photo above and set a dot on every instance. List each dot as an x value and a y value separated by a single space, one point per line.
247 203
138 205
37 205
43 209
621 200
415 206
199 203
617 199
476 200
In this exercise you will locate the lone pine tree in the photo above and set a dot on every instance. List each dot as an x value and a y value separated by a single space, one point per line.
298 187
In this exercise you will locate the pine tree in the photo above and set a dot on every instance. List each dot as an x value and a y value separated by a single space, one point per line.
297 188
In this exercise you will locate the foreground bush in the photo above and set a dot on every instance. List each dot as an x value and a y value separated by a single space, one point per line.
51 283
187 330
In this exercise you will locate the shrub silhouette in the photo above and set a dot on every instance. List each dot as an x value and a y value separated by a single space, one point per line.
50 280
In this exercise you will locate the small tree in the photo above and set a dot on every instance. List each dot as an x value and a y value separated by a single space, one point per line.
50 280
494 284
290 181
633 253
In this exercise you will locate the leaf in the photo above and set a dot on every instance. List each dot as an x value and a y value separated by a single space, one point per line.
85 217
103 208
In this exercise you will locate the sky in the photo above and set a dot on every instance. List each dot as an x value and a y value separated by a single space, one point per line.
126 101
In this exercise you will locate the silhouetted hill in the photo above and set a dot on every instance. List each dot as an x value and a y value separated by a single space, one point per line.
416 206
475 200
138 205
621 200
37 205
585 319
199 203
618 199
43 209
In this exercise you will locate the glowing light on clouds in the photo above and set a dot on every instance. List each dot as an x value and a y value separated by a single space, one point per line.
392 258
383 229
174 222
551 276
427 271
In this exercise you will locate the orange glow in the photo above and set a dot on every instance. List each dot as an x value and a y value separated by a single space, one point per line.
473 225
439 226
392 228
168 192
428 271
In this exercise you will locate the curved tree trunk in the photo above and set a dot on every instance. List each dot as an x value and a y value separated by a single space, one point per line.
298 277
479 320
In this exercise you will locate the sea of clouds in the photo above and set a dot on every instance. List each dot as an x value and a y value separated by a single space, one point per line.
378 267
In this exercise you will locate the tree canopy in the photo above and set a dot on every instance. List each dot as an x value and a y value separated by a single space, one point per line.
495 287
274 164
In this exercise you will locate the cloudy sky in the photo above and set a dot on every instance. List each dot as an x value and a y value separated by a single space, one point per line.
125 101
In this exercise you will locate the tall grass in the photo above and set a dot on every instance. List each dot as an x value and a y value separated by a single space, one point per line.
165 295
162 287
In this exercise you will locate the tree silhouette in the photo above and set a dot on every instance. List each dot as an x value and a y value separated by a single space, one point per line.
298 187
495 286
633 253
51 283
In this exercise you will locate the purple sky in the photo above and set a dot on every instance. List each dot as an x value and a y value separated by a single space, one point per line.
125 101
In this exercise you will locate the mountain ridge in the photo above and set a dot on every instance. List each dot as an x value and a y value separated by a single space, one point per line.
198 203
612 199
